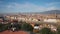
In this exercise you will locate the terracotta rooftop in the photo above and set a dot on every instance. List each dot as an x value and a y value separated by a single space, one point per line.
16 32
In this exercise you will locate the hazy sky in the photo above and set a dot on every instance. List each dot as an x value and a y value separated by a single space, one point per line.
11 6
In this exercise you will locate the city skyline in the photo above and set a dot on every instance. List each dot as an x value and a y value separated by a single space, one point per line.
16 6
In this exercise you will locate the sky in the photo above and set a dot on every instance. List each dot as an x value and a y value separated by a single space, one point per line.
16 6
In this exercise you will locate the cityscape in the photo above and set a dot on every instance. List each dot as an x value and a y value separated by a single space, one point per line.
30 17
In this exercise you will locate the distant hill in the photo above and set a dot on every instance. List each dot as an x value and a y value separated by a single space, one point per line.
44 12
51 12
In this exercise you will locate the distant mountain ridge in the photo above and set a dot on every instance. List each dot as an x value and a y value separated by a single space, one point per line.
44 12
47 12
51 12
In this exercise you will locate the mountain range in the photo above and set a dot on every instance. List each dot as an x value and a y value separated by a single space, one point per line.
51 12
44 12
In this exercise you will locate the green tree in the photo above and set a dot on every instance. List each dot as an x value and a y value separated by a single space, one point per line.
17 25
27 27
58 29
3 27
46 31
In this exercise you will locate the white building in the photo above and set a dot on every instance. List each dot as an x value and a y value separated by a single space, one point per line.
36 27
50 20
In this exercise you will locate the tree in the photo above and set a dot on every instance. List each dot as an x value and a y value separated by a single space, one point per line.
3 27
16 25
46 31
58 29
27 27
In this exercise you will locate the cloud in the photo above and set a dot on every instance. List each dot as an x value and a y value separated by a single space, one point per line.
29 7
53 6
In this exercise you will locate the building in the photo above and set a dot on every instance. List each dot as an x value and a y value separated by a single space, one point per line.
50 20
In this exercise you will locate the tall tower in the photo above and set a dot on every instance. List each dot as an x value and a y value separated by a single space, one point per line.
55 15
